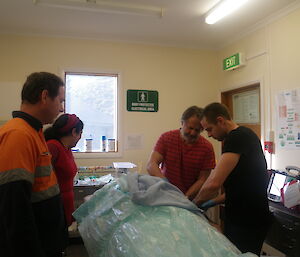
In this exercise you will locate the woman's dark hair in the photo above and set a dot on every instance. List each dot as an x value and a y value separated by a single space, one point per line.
63 126
37 82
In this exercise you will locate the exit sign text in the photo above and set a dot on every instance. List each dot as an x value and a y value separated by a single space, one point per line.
233 62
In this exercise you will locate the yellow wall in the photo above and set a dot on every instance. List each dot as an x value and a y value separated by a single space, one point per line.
276 67
183 77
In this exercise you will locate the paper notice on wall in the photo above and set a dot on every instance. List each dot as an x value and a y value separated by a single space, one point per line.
134 142
246 107
288 119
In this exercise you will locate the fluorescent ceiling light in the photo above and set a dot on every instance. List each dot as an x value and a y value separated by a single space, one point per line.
223 9
103 6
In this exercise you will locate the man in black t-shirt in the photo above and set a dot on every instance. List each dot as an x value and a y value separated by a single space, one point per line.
242 171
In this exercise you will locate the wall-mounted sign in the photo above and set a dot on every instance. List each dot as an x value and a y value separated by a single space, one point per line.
142 101
233 62
246 107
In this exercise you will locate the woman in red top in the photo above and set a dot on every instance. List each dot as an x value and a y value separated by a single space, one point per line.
61 137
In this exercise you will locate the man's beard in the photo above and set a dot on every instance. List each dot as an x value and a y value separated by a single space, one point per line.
190 138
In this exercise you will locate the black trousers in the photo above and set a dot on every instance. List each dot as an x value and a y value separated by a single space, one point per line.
54 254
246 238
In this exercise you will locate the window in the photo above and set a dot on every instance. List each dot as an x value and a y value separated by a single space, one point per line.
93 98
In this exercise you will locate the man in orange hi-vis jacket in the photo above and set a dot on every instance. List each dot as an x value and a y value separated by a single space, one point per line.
31 215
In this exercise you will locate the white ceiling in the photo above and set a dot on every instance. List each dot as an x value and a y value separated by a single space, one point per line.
182 24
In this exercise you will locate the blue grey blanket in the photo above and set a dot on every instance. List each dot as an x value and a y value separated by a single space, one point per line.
153 191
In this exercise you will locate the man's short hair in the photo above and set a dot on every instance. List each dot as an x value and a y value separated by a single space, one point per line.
191 112
37 82
214 110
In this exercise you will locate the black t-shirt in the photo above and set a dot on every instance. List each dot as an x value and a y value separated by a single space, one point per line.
246 186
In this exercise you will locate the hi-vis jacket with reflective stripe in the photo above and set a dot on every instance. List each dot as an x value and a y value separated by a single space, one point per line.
31 213
24 156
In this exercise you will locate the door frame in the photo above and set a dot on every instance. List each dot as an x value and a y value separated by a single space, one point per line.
261 99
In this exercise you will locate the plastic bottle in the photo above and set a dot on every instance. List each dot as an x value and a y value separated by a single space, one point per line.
89 144
103 143
111 145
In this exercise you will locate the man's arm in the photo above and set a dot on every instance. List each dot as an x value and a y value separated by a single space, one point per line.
194 189
153 164
213 202
219 199
217 177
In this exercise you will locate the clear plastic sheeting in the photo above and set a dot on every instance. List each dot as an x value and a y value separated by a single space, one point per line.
112 225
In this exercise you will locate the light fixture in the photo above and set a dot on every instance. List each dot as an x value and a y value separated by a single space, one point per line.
103 6
223 9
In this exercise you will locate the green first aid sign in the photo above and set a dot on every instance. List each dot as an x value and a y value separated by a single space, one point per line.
233 62
142 101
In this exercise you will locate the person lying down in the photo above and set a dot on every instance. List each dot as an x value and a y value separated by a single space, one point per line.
144 216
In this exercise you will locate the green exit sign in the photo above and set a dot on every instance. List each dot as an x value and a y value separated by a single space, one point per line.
233 62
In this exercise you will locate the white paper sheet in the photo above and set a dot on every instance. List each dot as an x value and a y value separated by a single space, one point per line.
292 195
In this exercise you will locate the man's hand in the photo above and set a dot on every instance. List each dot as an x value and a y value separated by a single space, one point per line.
208 204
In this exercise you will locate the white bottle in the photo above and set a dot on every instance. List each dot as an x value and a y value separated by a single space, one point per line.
89 144
111 145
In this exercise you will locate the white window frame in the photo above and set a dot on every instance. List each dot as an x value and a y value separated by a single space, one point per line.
119 139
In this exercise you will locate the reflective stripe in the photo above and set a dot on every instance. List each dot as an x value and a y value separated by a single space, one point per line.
44 195
16 175
43 171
